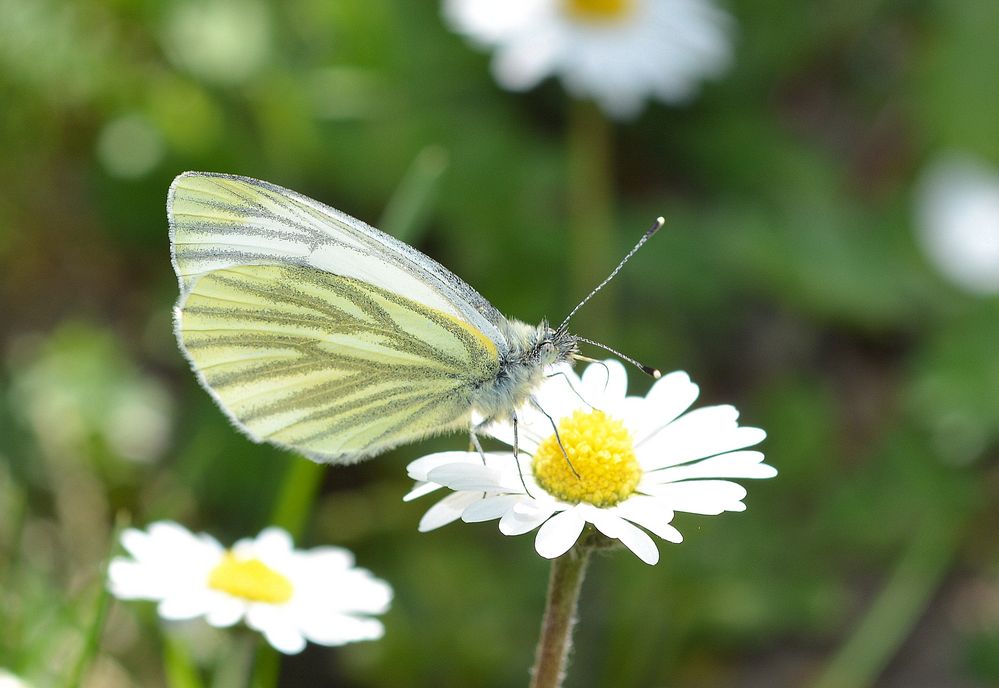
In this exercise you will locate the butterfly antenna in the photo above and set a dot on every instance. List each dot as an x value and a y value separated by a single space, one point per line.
654 373
641 242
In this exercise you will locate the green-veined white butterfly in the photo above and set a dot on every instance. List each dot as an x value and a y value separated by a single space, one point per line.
318 333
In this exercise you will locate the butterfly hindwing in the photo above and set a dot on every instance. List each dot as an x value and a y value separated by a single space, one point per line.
328 365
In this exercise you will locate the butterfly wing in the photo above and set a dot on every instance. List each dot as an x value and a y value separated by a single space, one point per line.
316 332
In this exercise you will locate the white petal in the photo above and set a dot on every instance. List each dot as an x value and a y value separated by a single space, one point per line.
421 467
447 510
225 612
531 56
699 434
741 464
632 537
188 605
272 543
328 560
136 542
531 431
490 22
367 594
637 416
559 534
489 508
650 513
339 629
561 392
421 489
166 540
526 515
130 580
277 626
702 421
709 497
468 476
605 384
670 396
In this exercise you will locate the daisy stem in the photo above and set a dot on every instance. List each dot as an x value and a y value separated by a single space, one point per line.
590 197
293 506
266 667
234 668
178 667
560 616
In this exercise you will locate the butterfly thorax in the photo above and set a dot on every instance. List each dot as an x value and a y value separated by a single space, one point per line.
532 350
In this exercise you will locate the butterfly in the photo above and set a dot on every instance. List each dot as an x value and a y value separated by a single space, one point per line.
321 334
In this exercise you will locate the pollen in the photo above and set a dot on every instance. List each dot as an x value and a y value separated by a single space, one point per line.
598 10
602 452
250 579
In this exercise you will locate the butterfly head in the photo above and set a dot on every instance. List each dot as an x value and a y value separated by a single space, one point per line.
552 346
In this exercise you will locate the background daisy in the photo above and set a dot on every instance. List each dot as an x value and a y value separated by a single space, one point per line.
638 459
957 214
290 596
616 52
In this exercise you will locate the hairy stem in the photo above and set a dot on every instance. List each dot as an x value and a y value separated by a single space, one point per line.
560 616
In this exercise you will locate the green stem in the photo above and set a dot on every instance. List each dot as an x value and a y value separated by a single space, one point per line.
294 503
591 215
917 576
178 667
298 493
92 641
235 668
266 667
560 616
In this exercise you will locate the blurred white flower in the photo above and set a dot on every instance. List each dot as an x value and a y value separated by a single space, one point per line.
957 209
616 52
638 460
288 595
9 680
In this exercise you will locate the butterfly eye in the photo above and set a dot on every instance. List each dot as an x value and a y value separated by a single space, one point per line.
547 348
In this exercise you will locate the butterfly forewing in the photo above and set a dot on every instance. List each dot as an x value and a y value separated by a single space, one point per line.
219 221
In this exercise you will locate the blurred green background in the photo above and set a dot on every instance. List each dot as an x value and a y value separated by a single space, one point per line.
788 282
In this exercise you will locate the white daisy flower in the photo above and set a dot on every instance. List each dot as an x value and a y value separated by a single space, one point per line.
288 595
957 210
638 459
616 52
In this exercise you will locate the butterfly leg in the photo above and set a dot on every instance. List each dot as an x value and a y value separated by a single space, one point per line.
474 445
535 404
474 440
516 452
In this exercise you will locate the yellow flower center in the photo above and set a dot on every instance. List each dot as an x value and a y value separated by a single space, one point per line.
601 451
598 10
250 579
